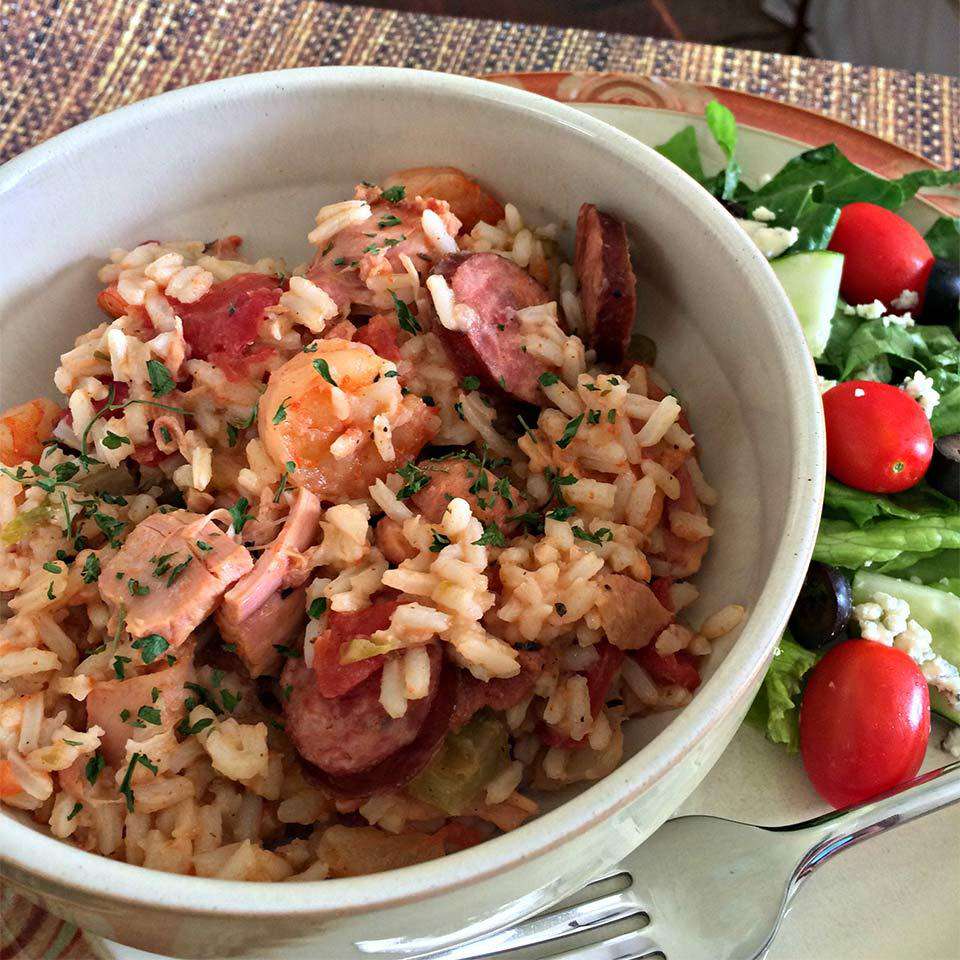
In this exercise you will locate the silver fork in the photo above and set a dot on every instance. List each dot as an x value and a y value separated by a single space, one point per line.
704 888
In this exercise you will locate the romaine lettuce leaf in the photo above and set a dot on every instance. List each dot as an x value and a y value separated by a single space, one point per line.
860 506
943 238
941 569
776 707
946 414
844 544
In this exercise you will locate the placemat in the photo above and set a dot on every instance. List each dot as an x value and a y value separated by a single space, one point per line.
61 66
63 63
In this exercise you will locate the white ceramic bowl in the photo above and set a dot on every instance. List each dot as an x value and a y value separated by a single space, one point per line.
258 155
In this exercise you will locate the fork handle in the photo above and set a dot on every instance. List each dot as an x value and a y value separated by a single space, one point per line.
833 832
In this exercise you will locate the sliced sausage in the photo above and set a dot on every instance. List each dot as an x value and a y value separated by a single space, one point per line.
489 347
490 499
350 734
608 288
499 694
630 612
115 704
399 768
468 200
170 573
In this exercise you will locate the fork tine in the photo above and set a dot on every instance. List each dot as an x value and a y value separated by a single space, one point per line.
544 927
635 945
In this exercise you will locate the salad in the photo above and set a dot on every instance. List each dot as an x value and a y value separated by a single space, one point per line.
873 645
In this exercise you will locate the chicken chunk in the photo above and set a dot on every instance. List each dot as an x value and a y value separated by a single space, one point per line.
169 575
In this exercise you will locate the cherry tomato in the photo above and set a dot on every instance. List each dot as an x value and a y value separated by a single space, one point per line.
883 255
878 437
864 721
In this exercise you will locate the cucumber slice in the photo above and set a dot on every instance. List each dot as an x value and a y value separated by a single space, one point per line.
812 283
934 609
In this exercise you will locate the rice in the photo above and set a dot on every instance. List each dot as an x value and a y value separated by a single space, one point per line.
499 578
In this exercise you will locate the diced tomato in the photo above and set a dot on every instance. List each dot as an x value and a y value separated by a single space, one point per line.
660 586
148 454
334 678
380 334
599 678
675 668
459 836
238 368
24 428
226 319
9 785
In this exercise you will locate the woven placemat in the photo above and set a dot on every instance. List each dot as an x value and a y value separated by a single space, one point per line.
63 63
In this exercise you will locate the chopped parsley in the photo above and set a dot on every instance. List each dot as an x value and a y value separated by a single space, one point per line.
161 380
110 526
150 646
470 383
415 480
77 807
593 416
125 787
52 568
281 413
323 368
611 416
502 487
204 546
440 540
150 715
230 699
118 664
326 249
113 441
492 536
238 514
154 694
570 431
562 513
458 409
395 193
548 379
601 536
339 261
286 691
179 570
136 588
288 468
311 347
405 318
93 768
203 696
290 652
185 729
391 220
161 564
371 248
318 606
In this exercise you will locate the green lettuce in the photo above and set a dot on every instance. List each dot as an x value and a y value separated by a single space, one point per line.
925 347
842 543
843 502
943 238
776 707
946 414
941 569
682 150
723 128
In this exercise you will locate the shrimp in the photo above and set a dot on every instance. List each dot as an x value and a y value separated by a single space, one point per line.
468 200
23 430
334 419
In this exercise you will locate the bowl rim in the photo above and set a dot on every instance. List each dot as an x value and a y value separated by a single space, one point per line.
39 855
